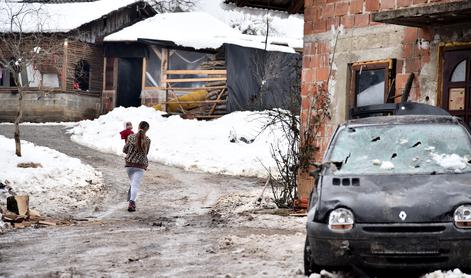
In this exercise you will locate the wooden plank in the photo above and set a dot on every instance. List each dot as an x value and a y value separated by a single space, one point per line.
188 80
217 99
208 72
163 75
64 66
144 69
196 101
184 89
104 77
208 116
198 88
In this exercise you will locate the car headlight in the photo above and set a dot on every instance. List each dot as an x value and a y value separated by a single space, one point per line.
340 220
463 217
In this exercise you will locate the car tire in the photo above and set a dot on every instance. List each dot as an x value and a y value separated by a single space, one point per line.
309 266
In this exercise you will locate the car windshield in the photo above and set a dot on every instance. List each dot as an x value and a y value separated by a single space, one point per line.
401 149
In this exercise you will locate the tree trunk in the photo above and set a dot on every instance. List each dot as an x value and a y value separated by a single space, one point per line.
19 115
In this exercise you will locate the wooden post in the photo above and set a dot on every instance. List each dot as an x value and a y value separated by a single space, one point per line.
115 80
65 66
104 86
143 81
18 204
163 74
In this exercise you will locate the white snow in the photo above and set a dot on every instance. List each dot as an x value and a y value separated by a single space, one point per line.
456 273
190 144
57 17
198 30
387 165
60 184
376 162
450 161
281 23
403 141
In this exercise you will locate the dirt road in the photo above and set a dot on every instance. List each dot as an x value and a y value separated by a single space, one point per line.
187 225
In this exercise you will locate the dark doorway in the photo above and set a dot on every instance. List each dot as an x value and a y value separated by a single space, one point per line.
129 82
457 83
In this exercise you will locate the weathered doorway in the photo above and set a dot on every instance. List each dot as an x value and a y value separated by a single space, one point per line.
457 83
129 82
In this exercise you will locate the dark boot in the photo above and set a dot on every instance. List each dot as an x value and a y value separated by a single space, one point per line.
132 206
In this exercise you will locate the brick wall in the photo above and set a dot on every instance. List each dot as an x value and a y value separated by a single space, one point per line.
77 51
348 25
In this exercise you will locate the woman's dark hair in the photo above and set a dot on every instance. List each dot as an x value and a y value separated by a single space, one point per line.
141 143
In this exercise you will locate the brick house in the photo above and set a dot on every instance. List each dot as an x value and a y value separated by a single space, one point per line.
373 47
68 85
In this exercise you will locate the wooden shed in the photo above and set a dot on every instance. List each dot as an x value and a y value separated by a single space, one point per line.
178 63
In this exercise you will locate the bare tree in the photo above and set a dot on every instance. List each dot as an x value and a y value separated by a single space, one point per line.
171 6
24 45
296 153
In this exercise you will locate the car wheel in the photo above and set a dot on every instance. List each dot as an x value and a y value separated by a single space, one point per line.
309 266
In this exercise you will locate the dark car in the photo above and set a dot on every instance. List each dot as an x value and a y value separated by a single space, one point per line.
393 192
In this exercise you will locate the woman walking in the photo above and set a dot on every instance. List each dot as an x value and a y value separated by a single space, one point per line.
136 150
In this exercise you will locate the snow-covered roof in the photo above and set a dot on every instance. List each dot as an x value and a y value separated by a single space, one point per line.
197 30
58 17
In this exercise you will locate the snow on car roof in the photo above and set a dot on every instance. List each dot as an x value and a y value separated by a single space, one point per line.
197 30
58 17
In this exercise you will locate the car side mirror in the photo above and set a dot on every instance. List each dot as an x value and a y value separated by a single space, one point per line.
317 172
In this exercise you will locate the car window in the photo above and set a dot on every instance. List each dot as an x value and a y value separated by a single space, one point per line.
402 149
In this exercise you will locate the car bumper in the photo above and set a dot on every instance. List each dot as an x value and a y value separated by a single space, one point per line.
401 246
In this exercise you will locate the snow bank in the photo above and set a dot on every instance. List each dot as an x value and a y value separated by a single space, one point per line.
61 184
189 144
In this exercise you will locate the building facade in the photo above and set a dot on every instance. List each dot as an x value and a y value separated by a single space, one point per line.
364 51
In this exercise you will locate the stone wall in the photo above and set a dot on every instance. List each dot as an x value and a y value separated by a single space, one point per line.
347 27
49 107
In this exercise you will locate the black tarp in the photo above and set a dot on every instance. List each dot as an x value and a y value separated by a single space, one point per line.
259 79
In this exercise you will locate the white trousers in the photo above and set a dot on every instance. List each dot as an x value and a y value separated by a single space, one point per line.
135 178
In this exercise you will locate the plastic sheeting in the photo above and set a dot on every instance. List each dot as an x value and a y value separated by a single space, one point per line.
259 80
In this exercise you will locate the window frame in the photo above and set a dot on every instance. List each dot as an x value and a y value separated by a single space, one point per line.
82 63
389 79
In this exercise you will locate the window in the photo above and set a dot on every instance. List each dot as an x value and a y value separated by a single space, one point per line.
371 83
5 78
457 83
82 76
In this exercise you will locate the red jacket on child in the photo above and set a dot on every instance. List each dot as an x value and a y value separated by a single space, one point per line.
125 133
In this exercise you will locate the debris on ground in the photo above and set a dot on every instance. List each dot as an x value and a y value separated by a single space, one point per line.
13 220
29 165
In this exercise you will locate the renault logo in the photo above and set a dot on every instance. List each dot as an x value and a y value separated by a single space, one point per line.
403 215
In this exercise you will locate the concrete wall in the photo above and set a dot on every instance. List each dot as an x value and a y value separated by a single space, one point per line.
342 31
49 107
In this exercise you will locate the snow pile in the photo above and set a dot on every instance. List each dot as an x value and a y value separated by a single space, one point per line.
190 144
447 274
450 161
59 184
